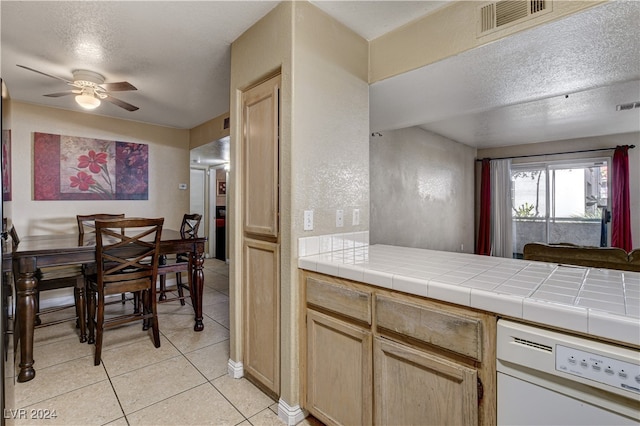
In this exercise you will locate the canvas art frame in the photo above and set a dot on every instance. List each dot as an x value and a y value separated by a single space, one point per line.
6 165
80 168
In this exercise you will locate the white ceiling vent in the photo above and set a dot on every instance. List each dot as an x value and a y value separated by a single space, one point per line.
501 14
627 107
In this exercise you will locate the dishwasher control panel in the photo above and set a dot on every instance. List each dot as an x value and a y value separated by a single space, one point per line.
536 352
599 368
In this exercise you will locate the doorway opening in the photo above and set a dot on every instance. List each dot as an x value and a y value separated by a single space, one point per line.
208 195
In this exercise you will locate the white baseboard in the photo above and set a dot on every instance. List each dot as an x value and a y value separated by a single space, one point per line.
290 415
235 369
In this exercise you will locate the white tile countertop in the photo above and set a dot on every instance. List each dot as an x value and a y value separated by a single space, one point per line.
599 302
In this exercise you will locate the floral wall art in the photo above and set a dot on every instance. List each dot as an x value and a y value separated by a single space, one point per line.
6 165
77 168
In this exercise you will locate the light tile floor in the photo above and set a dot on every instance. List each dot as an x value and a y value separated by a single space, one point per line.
184 382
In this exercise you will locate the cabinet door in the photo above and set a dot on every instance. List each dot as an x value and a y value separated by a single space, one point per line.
262 312
418 388
339 387
260 164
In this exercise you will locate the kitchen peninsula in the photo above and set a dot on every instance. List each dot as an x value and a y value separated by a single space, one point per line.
395 316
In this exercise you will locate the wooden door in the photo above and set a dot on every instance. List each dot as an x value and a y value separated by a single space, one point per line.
419 388
261 235
339 372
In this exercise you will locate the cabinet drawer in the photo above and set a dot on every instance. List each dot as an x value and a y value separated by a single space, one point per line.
452 332
339 299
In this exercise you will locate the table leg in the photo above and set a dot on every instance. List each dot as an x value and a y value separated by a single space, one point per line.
197 261
26 312
81 310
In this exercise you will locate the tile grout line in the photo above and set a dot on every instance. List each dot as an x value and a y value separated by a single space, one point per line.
116 395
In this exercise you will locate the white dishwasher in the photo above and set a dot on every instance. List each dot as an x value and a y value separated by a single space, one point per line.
551 378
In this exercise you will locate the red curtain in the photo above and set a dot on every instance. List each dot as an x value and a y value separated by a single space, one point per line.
620 205
484 228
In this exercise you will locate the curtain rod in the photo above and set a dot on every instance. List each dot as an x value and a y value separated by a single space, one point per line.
555 153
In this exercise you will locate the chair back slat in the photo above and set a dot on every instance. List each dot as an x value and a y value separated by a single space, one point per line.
86 222
190 225
15 240
127 250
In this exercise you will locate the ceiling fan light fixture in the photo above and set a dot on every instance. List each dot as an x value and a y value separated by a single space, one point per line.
88 101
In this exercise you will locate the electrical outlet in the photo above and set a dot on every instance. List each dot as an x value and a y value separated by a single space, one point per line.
308 220
356 217
339 218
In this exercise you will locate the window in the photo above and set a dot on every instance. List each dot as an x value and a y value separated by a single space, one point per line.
560 202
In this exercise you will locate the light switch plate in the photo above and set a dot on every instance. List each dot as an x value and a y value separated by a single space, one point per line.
356 217
308 220
339 218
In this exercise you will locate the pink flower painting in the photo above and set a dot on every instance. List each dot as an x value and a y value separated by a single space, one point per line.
6 165
75 168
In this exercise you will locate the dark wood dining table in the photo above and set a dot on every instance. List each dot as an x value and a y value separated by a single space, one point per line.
39 251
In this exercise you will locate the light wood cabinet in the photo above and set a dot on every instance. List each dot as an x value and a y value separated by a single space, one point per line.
414 387
345 301
430 323
339 348
339 365
260 158
429 362
261 312
261 235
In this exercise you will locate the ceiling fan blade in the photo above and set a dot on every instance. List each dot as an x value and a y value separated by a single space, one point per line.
121 104
58 94
48 75
120 86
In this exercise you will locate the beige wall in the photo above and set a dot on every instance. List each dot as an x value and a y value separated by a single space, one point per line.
422 191
209 131
262 50
323 146
444 33
330 149
168 166
577 145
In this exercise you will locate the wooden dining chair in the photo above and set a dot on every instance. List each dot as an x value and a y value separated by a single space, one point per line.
127 254
180 263
57 277
87 224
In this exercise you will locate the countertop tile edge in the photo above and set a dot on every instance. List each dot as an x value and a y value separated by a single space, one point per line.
614 326
498 303
555 314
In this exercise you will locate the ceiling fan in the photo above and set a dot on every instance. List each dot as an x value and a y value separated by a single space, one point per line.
90 89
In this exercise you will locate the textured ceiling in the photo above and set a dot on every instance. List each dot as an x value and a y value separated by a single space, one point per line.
177 53
558 81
